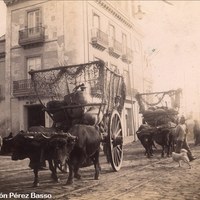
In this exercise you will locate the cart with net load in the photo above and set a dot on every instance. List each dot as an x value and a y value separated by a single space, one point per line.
88 93
159 119
158 108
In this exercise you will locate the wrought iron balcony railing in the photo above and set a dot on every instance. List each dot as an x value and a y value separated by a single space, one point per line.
99 39
22 88
2 48
127 56
30 36
115 48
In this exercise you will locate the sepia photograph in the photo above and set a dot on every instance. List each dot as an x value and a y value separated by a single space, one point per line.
100 99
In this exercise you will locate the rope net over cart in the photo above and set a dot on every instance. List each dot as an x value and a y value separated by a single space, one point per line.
158 108
75 88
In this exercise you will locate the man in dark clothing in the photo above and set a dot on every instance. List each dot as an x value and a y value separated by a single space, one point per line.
196 131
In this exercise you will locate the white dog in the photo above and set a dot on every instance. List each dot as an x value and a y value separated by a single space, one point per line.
178 157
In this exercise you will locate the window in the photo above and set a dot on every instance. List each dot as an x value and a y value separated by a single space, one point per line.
112 31
136 45
112 35
124 43
96 26
96 21
33 63
33 22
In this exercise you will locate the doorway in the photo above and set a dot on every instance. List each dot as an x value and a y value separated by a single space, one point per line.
129 121
36 116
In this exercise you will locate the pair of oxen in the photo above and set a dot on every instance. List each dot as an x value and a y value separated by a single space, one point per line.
163 135
39 144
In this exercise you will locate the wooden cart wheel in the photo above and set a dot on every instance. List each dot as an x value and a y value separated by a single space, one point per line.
115 140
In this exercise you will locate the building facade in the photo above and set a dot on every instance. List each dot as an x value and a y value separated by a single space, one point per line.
2 83
44 34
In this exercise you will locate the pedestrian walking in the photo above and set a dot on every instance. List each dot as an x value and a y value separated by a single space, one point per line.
181 140
196 132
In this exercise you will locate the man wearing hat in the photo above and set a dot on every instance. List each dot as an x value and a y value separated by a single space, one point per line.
181 140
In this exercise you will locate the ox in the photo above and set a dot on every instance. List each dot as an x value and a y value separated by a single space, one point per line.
6 148
163 135
86 148
144 134
38 148
165 138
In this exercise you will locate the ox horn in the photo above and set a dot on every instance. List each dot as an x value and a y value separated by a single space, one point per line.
44 136
29 136
69 134
8 139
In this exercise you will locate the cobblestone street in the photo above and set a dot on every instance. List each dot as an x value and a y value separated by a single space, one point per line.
111 85
139 179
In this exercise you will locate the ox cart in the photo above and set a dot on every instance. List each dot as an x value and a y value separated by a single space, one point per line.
159 116
90 94
159 108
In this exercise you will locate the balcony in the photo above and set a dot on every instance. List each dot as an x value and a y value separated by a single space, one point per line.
31 36
22 88
127 56
2 46
115 48
2 54
99 39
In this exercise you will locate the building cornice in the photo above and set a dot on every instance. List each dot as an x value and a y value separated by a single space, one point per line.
3 38
10 2
113 11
